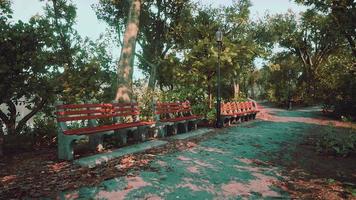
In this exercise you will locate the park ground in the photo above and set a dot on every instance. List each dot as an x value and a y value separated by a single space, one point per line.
271 157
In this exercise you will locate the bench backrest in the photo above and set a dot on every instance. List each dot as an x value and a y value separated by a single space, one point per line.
248 105
79 112
254 105
228 108
165 110
237 107
225 108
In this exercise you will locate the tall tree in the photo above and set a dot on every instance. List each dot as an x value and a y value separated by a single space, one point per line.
4 24
161 25
311 40
343 15
127 57
60 15
80 64
24 61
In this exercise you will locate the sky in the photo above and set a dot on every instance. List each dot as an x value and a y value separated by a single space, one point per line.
88 25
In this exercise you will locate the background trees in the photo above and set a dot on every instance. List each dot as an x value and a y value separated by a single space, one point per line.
177 49
24 62
160 28
41 63
322 49
342 14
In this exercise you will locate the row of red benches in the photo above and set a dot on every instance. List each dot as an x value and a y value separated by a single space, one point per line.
79 121
238 111
93 121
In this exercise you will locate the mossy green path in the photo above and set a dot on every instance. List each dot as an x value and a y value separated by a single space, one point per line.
233 164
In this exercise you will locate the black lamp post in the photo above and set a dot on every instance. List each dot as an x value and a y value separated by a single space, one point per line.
218 37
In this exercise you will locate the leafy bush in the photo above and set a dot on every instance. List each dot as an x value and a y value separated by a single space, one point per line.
145 101
211 115
336 142
44 131
42 134
194 95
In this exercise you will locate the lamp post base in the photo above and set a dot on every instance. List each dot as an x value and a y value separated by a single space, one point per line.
218 124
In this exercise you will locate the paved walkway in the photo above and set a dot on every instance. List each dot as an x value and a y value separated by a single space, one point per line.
234 164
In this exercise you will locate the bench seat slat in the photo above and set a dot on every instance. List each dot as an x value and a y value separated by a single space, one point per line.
91 130
235 114
95 105
76 118
168 104
181 118
102 110
162 111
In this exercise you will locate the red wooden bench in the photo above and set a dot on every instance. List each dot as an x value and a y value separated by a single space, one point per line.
238 111
251 109
231 112
175 117
79 121
255 109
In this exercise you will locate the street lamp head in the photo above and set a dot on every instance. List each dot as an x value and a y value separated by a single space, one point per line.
219 36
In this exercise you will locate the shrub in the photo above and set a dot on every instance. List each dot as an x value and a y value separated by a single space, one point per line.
337 142
211 115
44 131
195 96
41 134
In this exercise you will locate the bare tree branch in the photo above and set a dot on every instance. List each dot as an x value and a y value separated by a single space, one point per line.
141 58
24 120
3 117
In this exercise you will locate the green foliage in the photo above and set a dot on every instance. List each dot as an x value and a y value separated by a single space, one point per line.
238 52
211 115
194 95
24 69
313 50
240 99
342 13
145 97
178 44
45 60
160 25
84 68
340 143
282 81
41 135
44 131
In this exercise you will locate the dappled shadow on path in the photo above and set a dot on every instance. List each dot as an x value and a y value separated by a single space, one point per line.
311 174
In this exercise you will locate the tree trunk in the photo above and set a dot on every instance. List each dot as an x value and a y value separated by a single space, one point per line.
152 79
351 43
127 57
236 89
243 86
253 91
210 95
11 122
1 140
153 71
